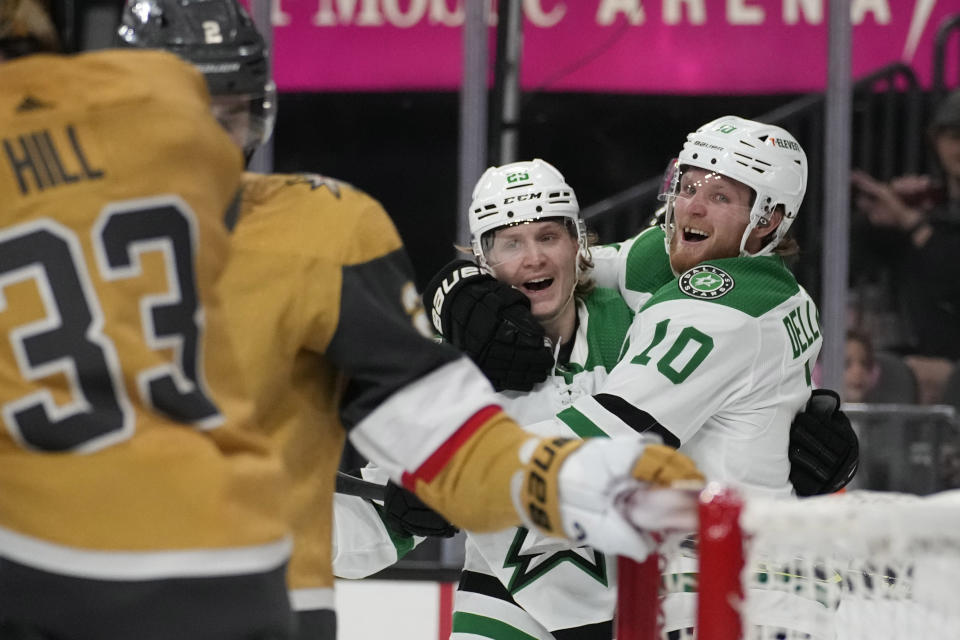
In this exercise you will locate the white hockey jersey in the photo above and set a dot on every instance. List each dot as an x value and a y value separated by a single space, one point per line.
719 362
558 586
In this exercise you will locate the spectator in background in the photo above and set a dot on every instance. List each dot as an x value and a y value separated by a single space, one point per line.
860 371
913 225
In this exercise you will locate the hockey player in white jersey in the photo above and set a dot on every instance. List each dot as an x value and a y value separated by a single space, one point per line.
717 365
515 581
822 450
477 315
720 357
526 230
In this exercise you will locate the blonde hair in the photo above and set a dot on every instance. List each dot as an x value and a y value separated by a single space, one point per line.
788 245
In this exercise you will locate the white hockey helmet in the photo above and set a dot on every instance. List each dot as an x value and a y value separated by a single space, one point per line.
766 158
520 192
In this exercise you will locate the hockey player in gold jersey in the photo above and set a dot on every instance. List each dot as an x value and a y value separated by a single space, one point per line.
126 476
139 496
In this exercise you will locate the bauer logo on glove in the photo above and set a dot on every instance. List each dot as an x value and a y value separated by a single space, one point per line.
609 493
447 283
490 322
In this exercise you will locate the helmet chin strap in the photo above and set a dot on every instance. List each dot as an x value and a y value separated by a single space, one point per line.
743 239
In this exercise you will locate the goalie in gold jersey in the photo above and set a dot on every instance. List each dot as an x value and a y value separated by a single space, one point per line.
142 494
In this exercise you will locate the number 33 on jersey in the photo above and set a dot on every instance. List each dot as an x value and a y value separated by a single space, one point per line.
68 341
120 403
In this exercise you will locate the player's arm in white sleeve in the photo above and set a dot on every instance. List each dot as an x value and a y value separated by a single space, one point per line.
363 542
686 360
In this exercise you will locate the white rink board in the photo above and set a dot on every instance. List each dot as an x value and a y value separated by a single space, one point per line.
395 609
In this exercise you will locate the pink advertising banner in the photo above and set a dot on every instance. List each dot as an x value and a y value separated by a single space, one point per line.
632 46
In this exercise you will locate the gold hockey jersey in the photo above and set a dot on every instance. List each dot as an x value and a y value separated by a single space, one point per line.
321 299
281 292
127 449
121 404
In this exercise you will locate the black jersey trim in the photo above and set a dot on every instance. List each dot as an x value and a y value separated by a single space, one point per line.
376 343
596 631
490 586
232 214
637 419
483 584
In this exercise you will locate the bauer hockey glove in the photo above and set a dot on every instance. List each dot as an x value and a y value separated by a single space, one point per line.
406 513
490 322
608 493
824 450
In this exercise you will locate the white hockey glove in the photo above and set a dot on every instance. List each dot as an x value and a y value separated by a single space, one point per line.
610 494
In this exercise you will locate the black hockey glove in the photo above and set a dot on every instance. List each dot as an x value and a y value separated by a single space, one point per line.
406 513
824 450
491 322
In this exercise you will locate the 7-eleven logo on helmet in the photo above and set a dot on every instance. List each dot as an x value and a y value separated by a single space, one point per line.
783 143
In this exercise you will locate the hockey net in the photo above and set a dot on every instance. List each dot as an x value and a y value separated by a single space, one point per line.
851 566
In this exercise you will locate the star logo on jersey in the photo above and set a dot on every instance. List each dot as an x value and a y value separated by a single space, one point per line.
529 566
706 282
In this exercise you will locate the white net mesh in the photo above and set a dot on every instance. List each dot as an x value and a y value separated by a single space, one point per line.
860 565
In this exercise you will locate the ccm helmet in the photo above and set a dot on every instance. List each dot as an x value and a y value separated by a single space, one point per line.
220 40
517 193
764 157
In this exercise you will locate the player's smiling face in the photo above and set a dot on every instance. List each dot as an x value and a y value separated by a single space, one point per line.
711 212
539 259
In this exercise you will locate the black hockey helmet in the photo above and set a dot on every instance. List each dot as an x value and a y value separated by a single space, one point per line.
221 41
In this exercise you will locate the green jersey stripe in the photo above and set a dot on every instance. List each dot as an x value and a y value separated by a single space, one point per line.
402 542
464 622
581 424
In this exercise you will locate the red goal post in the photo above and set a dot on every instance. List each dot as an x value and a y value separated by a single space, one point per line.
877 565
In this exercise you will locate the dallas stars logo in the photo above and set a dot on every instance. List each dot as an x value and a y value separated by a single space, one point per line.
528 567
706 282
